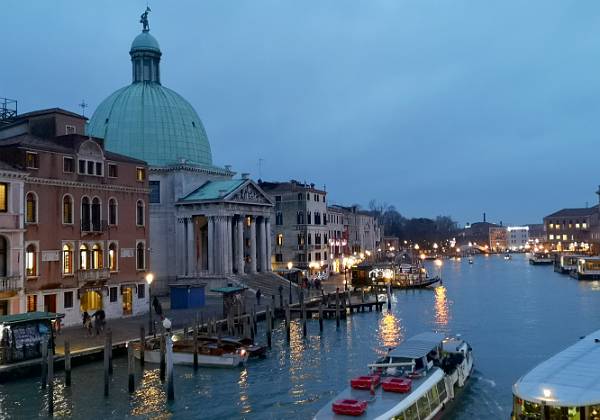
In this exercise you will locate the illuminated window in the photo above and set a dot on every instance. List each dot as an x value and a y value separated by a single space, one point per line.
67 209
97 257
3 197
584 225
31 260
84 256
551 226
577 225
31 303
551 237
564 237
112 257
31 208
67 259
32 160
280 239
140 174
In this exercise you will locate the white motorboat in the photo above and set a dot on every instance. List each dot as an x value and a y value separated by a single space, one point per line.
416 380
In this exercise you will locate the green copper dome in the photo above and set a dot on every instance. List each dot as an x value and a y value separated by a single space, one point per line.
148 121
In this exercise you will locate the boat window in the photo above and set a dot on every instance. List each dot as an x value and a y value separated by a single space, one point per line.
434 398
531 410
411 413
560 413
419 364
441 388
423 406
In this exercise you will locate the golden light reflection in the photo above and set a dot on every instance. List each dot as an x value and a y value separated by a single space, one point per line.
297 352
244 400
441 306
150 397
390 331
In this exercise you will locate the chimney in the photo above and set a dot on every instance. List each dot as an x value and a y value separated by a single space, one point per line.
245 175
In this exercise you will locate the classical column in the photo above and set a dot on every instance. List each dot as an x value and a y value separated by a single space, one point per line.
268 238
220 254
180 241
262 245
229 243
211 244
191 248
240 244
252 245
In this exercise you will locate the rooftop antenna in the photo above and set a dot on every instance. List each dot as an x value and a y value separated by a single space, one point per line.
260 161
83 106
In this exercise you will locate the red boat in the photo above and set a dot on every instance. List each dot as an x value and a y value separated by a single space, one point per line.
349 407
401 385
365 382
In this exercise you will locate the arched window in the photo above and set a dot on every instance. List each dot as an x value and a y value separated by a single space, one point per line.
31 260
139 219
3 257
85 214
97 257
112 211
67 252
112 257
31 208
140 256
67 209
84 257
96 214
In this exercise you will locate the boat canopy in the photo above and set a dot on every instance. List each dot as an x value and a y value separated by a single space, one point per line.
418 346
571 378
29 317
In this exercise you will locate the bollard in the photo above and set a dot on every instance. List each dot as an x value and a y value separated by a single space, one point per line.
170 385
337 308
320 317
130 367
376 300
106 363
44 349
142 345
110 355
162 356
67 363
50 382
269 316
287 321
196 345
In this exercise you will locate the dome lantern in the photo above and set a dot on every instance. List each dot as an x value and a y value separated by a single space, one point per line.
145 54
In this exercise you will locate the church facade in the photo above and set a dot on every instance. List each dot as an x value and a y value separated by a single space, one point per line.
206 225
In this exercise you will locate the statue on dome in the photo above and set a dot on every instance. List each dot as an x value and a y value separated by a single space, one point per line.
144 20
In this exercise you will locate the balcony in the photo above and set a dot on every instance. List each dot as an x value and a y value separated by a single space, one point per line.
9 221
10 284
85 276
94 226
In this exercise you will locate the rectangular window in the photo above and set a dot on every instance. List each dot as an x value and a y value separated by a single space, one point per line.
279 239
31 303
112 170
140 174
81 166
3 197
154 192
277 198
70 129
99 168
90 168
317 256
32 160
278 257
68 164
68 299
141 291
113 294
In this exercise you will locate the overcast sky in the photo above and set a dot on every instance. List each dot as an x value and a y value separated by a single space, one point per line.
437 107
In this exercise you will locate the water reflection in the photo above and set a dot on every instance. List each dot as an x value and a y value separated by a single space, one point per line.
243 384
150 396
441 306
390 331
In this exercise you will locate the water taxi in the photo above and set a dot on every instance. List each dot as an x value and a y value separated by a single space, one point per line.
588 268
541 258
566 386
408 276
415 381
566 263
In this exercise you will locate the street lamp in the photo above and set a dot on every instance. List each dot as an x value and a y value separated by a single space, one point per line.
438 264
289 266
149 279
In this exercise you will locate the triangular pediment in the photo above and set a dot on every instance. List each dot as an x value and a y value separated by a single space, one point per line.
249 192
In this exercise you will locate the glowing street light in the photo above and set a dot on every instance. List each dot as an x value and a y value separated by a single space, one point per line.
149 280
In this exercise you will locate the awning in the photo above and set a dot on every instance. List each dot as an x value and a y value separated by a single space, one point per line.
229 290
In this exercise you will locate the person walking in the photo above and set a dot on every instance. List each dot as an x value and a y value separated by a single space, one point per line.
258 295
157 307
87 322
99 317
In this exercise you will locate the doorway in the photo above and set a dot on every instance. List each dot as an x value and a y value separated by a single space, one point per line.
127 300
50 303
90 302
3 307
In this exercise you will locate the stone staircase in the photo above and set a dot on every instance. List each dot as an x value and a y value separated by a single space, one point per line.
268 283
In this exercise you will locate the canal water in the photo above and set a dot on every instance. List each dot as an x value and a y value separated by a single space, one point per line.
513 314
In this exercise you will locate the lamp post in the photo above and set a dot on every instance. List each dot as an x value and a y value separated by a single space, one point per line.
289 266
149 279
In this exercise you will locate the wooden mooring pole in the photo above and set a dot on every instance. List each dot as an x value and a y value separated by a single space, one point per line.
287 321
162 356
170 384
320 317
50 382
130 368
196 344
67 363
142 345
268 322
44 366
337 307
303 307
110 351
106 363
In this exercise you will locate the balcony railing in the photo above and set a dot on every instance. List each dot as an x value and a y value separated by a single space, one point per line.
9 221
94 226
84 276
10 284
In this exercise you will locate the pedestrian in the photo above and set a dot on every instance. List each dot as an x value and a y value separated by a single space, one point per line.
99 317
157 307
258 295
87 322
57 325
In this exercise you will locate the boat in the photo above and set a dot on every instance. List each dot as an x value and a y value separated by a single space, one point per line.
408 276
211 352
470 260
565 386
416 380
541 258
507 257
566 263
588 268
